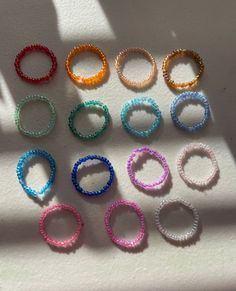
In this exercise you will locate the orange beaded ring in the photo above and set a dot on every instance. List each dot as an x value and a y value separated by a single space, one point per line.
95 79
182 53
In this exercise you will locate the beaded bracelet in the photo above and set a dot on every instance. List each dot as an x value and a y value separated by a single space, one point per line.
30 49
89 104
124 243
182 238
95 79
177 54
141 101
119 63
24 159
18 111
181 98
105 161
60 243
153 185
184 155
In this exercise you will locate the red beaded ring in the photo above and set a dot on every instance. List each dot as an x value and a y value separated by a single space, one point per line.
29 49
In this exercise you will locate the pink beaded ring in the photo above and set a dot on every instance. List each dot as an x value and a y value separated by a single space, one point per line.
153 185
184 155
124 243
60 243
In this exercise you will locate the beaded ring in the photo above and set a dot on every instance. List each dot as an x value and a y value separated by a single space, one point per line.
119 62
105 161
95 79
60 243
141 101
177 54
24 159
18 111
183 156
124 243
183 238
181 98
153 185
30 49
89 104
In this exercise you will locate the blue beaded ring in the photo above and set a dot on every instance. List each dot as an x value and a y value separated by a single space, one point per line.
83 160
195 96
136 102
24 159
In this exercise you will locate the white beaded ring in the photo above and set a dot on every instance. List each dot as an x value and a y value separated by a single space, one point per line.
183 156
182 238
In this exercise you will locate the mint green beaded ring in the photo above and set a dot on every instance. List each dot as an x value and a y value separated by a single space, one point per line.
94 105
35 98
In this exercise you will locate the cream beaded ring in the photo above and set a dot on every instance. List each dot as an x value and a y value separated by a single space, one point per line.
183 156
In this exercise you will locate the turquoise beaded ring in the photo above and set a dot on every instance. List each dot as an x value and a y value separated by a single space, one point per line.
89 104
35 98
141 101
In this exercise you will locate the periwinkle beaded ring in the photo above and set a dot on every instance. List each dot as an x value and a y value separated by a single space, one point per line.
141 101
81 161
60 243
183 156
182 238
28 50
24 159
190 96
35 98
152 185
94 105
124 243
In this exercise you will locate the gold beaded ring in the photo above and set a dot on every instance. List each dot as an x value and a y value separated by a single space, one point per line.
119 62
182 53
95 79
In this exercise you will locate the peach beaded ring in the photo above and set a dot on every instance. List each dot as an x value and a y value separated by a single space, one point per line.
119 62
95 79
177 54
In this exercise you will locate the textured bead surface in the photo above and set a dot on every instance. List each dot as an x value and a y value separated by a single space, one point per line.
124 243
141 101
60 243
35 98
152 185
75 169
24 159
96 105
190 96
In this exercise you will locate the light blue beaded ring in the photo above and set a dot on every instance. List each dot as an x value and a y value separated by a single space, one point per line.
192 96
24 159
141 101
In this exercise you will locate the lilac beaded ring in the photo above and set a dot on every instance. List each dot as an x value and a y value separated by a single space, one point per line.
60 243
153 185
124 243
183 156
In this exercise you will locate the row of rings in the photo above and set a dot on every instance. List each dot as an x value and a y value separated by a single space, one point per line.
182 157
119 64
121 242
126 109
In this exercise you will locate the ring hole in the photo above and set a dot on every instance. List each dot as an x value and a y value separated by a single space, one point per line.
60 225
177 219
183 69
141 117
93 175
86 64
190 112
125 223
36 64
35 116
37 172
89 120
146 168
